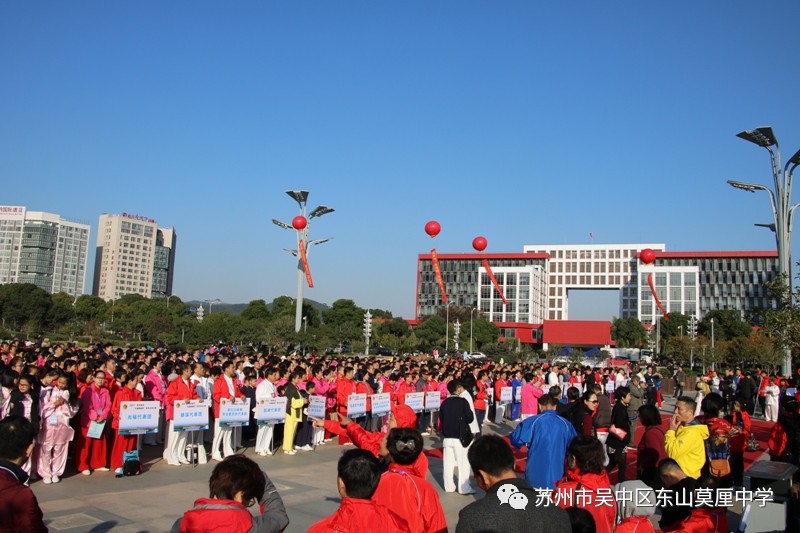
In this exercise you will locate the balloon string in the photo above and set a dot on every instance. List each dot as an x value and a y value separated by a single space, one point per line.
655 296
494 280
304 259
438 272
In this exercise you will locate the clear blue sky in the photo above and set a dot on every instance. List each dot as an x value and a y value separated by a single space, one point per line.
526 122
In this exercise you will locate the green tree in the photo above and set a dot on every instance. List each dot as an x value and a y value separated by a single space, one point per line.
256 310
282 306
23 303
396 327
61 311
346 319
483 333
430 332
90 308
728 324
628 332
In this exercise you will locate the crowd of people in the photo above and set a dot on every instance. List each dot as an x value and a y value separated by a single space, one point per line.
576 423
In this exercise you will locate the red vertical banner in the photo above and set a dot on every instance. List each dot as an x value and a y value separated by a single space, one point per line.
494 280
438 272
655 296
301 246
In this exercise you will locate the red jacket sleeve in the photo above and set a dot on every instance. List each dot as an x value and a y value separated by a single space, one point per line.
335 427
364 439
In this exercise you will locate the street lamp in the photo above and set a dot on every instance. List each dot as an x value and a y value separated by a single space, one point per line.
780 200
713 353
212 302
470 328
301 197
447 327
168 297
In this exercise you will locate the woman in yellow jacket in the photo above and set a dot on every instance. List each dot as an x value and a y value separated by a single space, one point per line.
685 440
294 411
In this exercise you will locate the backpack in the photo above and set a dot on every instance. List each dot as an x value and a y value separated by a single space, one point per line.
718 451
131 465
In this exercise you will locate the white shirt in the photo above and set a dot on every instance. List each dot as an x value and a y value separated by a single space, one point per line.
265 389
473 426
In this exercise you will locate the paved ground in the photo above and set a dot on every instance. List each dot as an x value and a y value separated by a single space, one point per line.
152 501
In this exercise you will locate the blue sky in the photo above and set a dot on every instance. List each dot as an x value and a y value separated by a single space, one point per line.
525 122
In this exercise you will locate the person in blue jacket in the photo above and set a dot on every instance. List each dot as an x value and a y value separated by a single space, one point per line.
516 385
547 436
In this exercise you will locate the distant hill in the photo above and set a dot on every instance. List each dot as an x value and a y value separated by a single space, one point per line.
235 309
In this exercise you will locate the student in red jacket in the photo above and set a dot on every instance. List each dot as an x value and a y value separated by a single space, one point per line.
19 509
358 475
407 494
402 416
225 390
585 472
128 393
740 421
481 397
636 503
703 519
235 484
180 389
345 386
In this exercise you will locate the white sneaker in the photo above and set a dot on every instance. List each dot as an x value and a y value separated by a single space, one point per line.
87 472
46 480
307 448
216 457
102 469
118 471
55 479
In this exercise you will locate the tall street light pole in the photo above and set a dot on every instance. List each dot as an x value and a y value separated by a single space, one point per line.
470 328
447 327
782 210
301 197
713 353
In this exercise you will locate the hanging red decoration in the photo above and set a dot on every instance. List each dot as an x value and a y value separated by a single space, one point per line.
647 256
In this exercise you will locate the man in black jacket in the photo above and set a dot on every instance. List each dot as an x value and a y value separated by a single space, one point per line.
454 414
510 503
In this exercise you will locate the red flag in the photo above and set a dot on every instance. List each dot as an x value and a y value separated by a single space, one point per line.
438 272
494 280
301 245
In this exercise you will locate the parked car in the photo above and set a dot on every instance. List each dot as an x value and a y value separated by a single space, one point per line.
383 350
476 355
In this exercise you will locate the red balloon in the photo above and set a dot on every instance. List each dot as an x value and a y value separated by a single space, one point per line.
433 228
480 243
299 222
647 256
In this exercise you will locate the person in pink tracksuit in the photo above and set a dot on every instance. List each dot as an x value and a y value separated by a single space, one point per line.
57 407
95 407
155 389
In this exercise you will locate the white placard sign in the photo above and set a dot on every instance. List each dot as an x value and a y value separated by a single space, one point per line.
190 415
138 418
490 393
505 394
518 394
234 413
381 404
271 410
356 405
316 406
415 401
433 400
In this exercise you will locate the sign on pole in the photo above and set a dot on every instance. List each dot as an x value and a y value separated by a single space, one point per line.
138 418
433 400
518 394
381 404
505 394
271 410
190 415
234 413
316 406
356 405
415 401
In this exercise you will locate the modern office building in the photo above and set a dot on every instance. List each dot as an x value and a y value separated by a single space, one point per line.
133 256
538 281
43 249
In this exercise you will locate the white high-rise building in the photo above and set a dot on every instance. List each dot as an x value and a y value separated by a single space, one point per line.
43 249
125 263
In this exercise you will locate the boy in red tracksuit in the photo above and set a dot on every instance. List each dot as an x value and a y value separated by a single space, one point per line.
359 473
407 494
402 416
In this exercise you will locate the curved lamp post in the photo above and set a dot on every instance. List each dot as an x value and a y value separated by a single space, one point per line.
780 201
